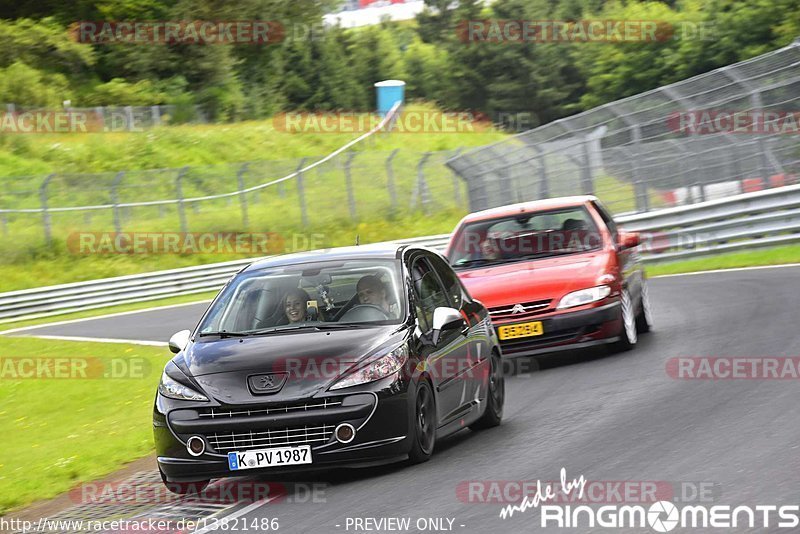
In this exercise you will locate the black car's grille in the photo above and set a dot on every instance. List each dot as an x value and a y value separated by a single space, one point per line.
238 441
529 309
219 413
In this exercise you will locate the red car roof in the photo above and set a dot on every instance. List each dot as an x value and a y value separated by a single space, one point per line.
531 206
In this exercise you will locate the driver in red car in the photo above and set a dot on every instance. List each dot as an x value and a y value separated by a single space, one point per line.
371 290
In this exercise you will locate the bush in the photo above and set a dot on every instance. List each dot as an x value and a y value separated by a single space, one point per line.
28 87
119 92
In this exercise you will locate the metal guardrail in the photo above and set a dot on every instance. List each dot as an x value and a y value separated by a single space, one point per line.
642 151
83 296
764 218
751 220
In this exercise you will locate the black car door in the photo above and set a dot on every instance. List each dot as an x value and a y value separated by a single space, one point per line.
446 361
477 334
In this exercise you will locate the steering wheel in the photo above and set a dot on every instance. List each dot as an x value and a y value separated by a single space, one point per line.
346 308
363 313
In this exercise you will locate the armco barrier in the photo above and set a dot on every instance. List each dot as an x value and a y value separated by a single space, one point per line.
763 218
82 296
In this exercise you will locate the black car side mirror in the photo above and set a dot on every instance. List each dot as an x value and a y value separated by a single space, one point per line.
445 318
179 340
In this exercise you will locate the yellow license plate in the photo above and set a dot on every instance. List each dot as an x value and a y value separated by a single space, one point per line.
513 331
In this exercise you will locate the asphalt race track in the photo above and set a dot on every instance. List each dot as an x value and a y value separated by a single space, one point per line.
607 417
150 325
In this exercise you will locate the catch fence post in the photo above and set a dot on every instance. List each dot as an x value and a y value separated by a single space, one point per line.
179 192
45 213
243 195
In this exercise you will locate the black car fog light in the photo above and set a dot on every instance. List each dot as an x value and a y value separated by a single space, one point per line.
196 446
345 433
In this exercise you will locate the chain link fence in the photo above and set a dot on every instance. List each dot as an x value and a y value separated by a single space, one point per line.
276 195
662 148
630 153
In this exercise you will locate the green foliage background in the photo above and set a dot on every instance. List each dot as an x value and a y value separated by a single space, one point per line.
41 65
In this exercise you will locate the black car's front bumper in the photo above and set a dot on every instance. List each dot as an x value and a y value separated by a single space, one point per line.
568 330
380 412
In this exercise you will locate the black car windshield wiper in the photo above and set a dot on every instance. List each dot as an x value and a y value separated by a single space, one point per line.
318 327
335 326
224 334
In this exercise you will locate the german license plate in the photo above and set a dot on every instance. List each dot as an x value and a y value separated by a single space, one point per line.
513 331
273 457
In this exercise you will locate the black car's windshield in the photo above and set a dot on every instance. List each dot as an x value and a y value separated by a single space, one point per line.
316 296
525 236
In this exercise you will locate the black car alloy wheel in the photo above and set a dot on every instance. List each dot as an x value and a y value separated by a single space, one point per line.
495 396
424 424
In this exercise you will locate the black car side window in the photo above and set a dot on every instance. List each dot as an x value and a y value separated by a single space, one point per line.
450 281
428 291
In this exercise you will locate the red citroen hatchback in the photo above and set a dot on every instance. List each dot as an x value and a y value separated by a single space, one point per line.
555 274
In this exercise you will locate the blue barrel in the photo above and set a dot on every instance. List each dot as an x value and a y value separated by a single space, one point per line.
389 92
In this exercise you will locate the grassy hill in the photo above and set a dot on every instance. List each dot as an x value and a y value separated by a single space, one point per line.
88 163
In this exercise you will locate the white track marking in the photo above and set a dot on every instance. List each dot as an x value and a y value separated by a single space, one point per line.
118 314
146 310
731 270
103 340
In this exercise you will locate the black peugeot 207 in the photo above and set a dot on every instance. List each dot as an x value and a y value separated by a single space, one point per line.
351 357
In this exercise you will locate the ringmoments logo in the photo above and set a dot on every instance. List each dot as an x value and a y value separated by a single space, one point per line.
660 516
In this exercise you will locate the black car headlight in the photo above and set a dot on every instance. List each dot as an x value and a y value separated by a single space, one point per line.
169 387
375 370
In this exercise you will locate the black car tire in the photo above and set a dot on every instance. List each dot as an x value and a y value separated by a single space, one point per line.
423 436
628 335
495 397
644 320
184 488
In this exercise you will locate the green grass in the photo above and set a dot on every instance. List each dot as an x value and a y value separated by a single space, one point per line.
26 267
751 258
333 217
59 432
206 144
620 196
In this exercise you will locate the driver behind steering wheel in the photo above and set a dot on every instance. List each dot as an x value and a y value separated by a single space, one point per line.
370 290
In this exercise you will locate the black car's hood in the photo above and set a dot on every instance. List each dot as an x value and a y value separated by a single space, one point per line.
307 360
